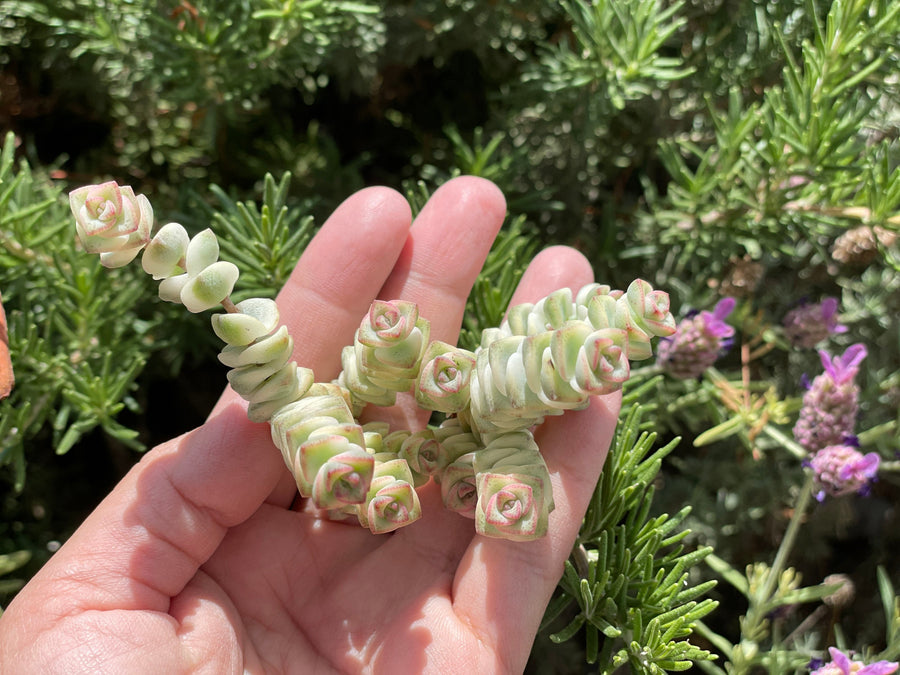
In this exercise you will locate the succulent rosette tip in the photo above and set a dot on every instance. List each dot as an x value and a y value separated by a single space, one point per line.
112 221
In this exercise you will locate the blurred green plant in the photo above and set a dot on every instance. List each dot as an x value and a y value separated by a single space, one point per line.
784 174
10 562
175 75
264 242
74 356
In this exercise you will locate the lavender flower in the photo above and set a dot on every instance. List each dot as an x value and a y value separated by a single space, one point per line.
831 403
808 324
842 470
841 664
698 341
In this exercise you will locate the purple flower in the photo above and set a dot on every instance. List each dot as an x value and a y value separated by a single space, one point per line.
698 341
843 368
842 470
808 324
841 664
830 404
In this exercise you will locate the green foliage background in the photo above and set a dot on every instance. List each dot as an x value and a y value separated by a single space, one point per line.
712 147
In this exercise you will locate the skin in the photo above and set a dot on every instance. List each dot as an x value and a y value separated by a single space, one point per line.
202 560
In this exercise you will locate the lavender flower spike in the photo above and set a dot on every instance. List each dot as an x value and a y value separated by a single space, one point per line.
808 324
698 341
841 664
842 470
830 405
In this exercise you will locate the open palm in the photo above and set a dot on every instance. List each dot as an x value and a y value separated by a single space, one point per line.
203 559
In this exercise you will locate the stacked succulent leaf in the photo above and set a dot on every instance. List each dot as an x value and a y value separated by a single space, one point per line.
544 359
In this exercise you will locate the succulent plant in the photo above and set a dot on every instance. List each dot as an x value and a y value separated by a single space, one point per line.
513 487
112 221
544 359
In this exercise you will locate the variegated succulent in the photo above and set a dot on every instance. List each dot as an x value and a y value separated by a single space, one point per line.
544 359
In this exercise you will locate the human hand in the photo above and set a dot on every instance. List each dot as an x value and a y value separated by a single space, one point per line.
202 560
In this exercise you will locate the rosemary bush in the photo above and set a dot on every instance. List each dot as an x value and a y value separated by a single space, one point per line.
721 150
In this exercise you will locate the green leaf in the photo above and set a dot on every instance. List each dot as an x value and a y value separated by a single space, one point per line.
727 572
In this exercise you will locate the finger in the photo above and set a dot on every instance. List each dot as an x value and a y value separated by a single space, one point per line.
338 275
167 516
503 587
333 284
445 251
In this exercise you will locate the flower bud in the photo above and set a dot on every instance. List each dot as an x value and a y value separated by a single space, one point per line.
842 470
112 221
845 593
857 247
